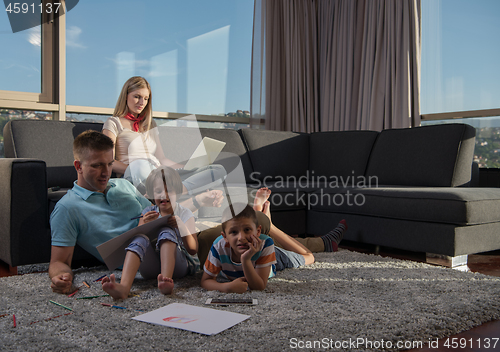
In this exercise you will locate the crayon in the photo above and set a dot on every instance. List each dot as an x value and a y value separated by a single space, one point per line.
14 319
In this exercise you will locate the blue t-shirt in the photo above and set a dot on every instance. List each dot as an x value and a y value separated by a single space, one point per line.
90 218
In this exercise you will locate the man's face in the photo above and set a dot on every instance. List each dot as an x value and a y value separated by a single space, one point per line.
94 169
238 234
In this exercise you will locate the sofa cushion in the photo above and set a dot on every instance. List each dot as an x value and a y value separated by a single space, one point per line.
50 141
341 154
415 236
459 206
273 153
435 156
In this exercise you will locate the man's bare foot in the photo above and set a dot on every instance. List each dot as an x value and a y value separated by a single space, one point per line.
165 284
261 197
266 209
115 290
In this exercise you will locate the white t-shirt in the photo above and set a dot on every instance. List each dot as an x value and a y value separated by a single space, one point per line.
131 145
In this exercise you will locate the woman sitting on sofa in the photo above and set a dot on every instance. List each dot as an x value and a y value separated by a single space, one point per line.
137 146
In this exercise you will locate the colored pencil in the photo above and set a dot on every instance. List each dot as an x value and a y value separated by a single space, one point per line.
99 279
14 319
57 316
137 217
90 297
113 306
3 315
74 293
78 288
60 305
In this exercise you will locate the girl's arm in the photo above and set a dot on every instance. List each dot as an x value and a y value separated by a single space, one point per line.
187 231
118 166
148 217
190 241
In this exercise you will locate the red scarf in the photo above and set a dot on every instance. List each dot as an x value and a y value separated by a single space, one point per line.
136 120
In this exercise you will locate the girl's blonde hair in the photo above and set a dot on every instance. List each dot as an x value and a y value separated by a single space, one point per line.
121 108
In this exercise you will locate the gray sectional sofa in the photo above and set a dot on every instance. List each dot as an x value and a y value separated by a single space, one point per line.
402 188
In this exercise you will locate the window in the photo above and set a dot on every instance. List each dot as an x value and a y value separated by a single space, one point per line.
487 149
460 72
196 54
460 52
21 59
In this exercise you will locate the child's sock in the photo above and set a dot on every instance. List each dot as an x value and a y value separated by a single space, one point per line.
333 238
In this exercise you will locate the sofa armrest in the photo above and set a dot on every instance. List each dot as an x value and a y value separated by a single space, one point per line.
474 179
25 231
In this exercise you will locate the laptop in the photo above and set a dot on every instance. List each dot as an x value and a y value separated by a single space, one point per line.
205 154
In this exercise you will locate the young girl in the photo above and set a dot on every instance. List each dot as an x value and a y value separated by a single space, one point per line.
176 245
137 143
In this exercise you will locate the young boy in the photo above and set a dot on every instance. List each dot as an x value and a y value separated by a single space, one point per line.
246 257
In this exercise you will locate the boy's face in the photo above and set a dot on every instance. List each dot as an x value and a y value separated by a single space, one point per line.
165 201
239 233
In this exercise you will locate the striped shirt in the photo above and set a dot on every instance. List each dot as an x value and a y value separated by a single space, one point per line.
219 259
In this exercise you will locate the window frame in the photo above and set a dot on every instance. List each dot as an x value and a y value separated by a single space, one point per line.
53 91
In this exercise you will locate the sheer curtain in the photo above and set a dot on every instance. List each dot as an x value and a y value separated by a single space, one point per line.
327 65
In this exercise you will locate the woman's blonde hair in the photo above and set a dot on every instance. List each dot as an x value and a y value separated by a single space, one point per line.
121 108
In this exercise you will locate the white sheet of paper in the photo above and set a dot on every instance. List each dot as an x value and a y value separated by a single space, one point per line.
192 318
113 251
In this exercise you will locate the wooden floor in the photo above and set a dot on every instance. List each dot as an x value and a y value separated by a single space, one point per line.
475 339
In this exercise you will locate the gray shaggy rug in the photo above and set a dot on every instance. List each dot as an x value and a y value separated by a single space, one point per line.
345 301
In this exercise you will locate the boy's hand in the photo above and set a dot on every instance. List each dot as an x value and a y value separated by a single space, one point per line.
148 217
62 283
253 247
239 285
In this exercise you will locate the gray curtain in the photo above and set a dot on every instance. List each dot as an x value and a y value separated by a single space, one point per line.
325 65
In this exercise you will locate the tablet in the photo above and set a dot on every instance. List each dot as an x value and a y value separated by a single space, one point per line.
205 154
231 301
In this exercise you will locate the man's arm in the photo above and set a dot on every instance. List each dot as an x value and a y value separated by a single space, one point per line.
210 283
60 271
